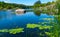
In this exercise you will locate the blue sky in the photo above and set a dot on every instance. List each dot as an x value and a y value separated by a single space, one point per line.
26 2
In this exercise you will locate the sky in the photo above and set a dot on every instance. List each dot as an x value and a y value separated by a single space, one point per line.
26 2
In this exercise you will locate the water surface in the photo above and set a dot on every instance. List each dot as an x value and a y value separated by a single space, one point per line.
9 19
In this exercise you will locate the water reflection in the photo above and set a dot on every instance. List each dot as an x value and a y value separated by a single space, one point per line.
8 19
37 12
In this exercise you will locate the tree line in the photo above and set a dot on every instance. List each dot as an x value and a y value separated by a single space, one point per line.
4 5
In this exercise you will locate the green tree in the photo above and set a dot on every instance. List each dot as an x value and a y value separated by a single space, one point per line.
37 4
58 6
4 5
48 3
37 7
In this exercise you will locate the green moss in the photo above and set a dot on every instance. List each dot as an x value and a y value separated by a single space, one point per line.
12 31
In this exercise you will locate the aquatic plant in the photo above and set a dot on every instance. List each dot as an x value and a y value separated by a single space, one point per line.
38 26
49 19
42 28
32 25
45 27
4 30
47 33
13 31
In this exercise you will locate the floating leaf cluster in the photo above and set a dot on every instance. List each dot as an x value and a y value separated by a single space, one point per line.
12 31
38 26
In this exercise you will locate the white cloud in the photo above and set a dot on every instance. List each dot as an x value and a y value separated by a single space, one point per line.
7 1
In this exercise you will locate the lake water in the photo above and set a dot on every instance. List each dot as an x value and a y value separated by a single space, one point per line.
8 19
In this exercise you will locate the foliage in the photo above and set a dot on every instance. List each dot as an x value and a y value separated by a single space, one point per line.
37 4
43 29
38 26
36 7
5 6
57 25
12 31
58 6
54 30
